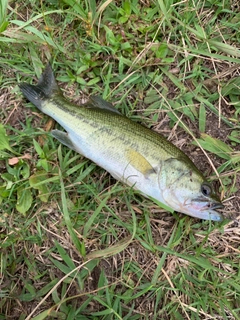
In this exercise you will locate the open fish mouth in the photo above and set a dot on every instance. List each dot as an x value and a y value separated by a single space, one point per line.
214 206
207 205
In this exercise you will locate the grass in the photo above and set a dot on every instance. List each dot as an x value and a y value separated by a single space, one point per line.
76 244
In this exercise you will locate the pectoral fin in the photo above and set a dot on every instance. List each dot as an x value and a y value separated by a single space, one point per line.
63 138
139 162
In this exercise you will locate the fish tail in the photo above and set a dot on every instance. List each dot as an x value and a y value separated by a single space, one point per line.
45 89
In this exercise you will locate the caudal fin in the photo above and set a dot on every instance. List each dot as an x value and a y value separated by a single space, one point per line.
45 89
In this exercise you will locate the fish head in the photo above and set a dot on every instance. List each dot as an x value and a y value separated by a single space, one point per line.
185 190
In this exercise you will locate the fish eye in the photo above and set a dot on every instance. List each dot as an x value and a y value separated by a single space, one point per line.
206 189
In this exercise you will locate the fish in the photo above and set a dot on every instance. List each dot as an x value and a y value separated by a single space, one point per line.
132 153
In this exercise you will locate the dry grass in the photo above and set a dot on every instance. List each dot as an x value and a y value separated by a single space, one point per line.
133 260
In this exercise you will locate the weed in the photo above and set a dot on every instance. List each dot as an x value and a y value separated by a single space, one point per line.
74 243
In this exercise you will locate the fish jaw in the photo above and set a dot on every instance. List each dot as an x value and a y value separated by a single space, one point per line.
204 210
187 191
201 207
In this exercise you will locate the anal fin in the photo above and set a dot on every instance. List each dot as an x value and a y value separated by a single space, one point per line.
63 137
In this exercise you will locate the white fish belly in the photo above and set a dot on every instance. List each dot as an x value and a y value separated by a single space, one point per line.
113 160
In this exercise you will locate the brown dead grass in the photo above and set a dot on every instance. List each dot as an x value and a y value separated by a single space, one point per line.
225 242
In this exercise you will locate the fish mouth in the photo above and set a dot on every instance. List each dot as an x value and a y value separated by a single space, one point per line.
208 204
216 205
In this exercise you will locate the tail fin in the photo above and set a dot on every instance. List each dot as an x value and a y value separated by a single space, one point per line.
45 89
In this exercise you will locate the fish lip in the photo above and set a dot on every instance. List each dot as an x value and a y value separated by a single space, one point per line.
210 204
217 205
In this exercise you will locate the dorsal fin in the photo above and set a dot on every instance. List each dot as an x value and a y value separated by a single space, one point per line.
98 102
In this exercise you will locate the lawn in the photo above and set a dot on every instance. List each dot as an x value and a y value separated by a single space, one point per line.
74 242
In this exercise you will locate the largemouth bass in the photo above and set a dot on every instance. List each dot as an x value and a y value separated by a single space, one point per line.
130 152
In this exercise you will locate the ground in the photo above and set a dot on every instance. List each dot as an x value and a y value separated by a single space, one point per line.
76 244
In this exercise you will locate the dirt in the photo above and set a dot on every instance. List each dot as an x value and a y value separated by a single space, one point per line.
162 223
